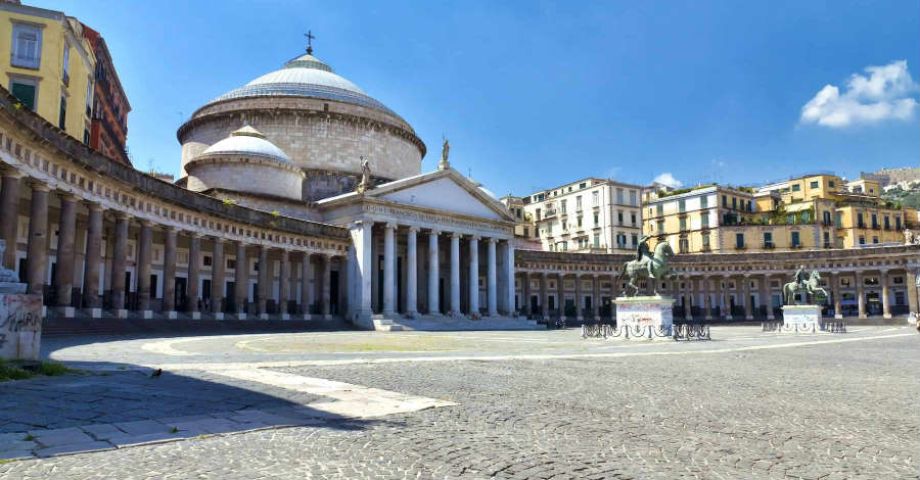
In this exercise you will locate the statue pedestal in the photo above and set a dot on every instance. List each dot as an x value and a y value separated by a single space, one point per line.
20 323
801 318
644 318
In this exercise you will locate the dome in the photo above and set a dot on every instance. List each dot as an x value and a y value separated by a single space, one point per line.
305 76
247 141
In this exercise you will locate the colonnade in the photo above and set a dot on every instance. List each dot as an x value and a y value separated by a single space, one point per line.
889 291
457 269
92 267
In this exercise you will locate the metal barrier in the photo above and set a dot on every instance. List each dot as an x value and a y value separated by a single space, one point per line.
832 326
686 331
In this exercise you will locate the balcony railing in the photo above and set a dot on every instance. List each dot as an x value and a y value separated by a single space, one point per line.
769 245
549 213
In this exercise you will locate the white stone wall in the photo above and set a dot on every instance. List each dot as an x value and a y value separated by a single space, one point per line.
246 177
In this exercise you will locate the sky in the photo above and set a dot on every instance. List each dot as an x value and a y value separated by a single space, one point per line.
535 94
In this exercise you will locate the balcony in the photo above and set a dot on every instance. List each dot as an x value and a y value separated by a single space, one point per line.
769 245
740 247
549 214
795 246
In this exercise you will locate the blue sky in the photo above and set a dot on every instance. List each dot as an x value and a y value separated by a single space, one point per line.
536 94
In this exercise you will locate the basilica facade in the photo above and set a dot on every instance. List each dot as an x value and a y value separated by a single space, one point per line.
301 196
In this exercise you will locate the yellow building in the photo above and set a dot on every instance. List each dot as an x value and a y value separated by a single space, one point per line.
48 65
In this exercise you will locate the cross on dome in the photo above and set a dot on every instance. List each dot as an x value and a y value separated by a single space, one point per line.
310 38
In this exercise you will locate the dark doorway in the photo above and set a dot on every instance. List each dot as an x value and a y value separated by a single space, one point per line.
441 304
333 293
179 295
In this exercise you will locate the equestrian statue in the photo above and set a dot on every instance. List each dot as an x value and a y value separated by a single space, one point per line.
808 285
647 265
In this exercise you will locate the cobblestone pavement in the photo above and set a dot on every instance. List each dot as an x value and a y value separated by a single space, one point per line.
753 406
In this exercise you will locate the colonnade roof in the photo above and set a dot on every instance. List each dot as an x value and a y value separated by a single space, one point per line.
28 123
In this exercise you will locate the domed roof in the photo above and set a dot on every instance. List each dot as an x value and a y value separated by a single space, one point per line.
305 76
247 141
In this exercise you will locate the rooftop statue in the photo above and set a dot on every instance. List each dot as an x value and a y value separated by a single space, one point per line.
365 183
809 285
444 164
647 265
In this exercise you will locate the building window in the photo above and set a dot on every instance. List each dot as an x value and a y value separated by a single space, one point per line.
62 114
660 226
25 90
579 221
862 240
659 209
578 203
597 240
887 222
563 204
796 240
859 221
897 222
813 184
838 219
739 240
796 187
683 223
620 218
768 239
620 196
874 239
724 201
827 240
633 200
27 46
206 260
682 205
565 225
632 218
595 197
635 239
704 202
596 220
683 245
66 64
734 203
831 184
705 242
704 220
874 221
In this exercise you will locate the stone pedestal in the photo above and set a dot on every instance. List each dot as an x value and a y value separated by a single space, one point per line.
644 318
20 323
801 318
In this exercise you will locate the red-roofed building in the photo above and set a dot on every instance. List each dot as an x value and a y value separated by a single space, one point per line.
109 128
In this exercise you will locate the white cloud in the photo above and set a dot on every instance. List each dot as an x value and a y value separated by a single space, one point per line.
886 92
668 179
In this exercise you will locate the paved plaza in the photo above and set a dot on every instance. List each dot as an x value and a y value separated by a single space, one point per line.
530 404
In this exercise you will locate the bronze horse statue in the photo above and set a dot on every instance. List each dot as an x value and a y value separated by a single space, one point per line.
649 266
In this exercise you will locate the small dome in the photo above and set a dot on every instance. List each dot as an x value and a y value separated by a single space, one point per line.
247 141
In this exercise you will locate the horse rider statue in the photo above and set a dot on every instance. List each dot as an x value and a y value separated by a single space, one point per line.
809 285
648 264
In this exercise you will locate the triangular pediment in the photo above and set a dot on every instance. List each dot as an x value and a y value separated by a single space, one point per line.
446 193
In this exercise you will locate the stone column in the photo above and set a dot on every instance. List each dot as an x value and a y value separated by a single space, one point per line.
67 232
861 295
169 272
579 306
544 295
326 298
92 261
886 305
411 272
218 278
362 239
119 263
9 212
37 252
767 294
560 296
491 279
726 307
262 289
748 305
838 301
596 300
389 269
525 294
688 294
509 276
433 275
307 287
241 280
474 276
707 298
144 259
194 275
911 283
455 274
284 284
